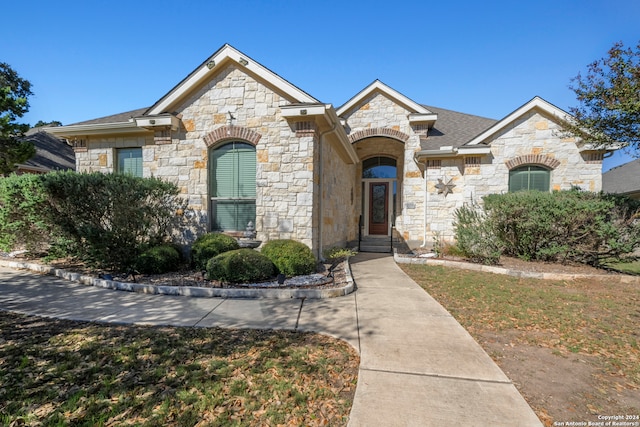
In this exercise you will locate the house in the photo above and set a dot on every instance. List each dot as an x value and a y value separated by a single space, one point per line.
623 179
51 153
244 144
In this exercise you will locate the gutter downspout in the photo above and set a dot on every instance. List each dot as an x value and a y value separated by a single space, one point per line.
320 178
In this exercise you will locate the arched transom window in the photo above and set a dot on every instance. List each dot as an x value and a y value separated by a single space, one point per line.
232 186
529 177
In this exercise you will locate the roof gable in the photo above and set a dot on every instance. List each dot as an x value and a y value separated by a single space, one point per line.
379 87
536 103
215 64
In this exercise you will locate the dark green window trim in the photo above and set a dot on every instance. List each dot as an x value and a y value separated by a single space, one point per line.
529 177
129 161
232 186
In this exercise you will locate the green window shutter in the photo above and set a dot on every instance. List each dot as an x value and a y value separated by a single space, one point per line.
130 161
233 186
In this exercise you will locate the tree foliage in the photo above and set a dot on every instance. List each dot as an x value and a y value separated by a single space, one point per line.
14 93
608 113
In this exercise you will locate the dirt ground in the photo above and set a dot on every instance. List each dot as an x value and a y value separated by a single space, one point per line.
562 386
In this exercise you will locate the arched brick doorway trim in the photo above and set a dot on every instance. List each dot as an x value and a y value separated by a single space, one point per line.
231 132
371 132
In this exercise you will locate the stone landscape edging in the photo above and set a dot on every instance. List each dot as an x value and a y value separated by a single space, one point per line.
403 259
191 291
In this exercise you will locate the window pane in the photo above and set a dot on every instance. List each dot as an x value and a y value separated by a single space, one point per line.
529 178
130 161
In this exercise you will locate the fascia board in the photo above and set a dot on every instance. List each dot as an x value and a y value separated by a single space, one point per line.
474 150
219 59
165 120
95 129
303 110
392 93
536 102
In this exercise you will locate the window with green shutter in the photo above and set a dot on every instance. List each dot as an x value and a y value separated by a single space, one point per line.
129 160
530 177
232 184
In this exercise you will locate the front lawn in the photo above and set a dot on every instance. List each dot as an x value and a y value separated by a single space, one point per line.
571 347
57 372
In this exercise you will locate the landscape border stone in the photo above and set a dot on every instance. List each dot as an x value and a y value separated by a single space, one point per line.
405 259
190 291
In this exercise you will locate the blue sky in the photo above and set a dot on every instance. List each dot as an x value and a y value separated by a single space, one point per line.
88 59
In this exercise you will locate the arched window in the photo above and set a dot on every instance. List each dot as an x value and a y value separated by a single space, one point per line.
529 177
232 186
379 167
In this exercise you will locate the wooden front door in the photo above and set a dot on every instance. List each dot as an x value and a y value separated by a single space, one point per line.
379 208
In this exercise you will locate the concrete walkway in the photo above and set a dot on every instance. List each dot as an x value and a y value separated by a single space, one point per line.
418 366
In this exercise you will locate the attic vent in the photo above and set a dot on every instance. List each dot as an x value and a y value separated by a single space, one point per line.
434 164
162 136
472 161
421 129
304 128
594 157
79 144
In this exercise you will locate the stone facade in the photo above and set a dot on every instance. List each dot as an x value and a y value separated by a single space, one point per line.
309 156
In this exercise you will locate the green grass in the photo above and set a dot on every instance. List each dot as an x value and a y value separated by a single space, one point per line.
55 372
597 318
630 267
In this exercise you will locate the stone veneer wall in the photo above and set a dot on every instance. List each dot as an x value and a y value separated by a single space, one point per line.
340 208
533 136
378 111
284 176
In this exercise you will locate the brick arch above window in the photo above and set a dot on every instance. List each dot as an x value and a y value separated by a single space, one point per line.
533 159
224 133
371 132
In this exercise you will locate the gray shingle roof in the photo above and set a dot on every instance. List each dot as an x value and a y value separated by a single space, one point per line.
51 152
454 128
114 118
623 179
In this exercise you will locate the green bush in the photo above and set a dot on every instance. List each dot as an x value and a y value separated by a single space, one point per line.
23 205
290 257
209 245
338 254
111 218
475 238
159 259
567 225
240 266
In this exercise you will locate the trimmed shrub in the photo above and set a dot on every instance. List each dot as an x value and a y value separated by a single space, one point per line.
240 266
564 226
111 218
210 245
159 259
23 222
290 257
475 237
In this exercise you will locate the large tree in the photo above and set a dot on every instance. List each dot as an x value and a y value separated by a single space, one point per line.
608 113
14 93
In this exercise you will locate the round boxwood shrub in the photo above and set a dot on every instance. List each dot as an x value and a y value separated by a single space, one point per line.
159 259
290 257
209 245
240 266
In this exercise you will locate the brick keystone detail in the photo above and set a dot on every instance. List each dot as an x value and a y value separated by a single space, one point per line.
371 132
533 159
231 132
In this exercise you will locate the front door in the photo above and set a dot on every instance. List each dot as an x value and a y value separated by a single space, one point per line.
379 208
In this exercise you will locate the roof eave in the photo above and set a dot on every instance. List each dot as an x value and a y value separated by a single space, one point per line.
95 129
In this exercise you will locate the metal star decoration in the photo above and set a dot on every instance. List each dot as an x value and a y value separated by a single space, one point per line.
445 188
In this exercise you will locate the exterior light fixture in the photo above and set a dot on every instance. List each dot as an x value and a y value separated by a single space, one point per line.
211 64
243 61
303 112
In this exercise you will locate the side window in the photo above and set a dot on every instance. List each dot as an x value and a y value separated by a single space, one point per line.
232 186
129 160
530 177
